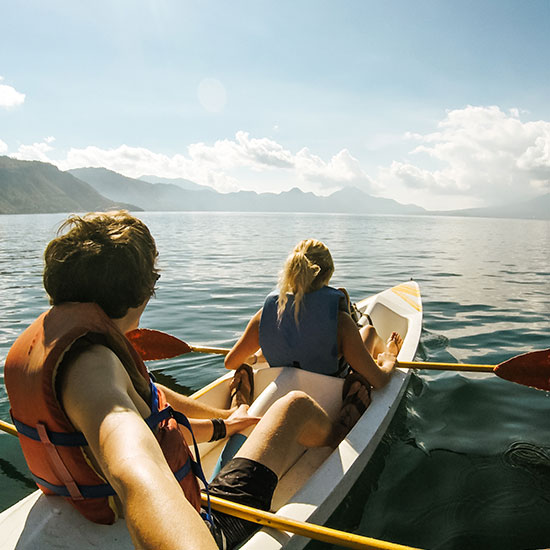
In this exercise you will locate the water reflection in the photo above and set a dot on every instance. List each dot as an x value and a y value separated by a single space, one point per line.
461 444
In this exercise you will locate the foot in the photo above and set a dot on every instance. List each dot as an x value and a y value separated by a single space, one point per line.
242 386
394 343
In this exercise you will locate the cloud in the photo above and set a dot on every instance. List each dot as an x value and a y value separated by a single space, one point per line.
137 161
257 154
419 178
9 96
227 165
3 146
36 151
342 169
484 153
264 154
475 156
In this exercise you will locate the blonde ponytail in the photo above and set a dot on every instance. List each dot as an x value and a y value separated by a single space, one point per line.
309 267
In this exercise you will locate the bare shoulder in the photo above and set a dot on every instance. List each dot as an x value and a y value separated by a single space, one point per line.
93 384
96 363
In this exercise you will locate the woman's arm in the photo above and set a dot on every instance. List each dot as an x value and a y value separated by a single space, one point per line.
247 345
353 349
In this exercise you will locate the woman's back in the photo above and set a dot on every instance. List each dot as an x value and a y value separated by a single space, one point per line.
309 343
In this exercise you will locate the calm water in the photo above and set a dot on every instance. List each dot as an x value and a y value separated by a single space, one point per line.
466 462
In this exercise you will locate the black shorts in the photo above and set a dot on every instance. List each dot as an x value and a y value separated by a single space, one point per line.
247 482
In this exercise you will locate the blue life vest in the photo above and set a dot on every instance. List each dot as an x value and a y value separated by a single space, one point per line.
312 344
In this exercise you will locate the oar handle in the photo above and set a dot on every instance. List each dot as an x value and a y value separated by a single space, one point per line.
446 366
309 530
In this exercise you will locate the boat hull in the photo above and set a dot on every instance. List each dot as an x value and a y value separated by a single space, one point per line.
309 491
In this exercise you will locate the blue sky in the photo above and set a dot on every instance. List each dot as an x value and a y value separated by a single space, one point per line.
441 103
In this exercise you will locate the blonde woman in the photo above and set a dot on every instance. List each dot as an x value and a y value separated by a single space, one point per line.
307 324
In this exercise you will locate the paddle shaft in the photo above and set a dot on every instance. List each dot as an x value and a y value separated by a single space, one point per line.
205 349
464 367
8 428
309 530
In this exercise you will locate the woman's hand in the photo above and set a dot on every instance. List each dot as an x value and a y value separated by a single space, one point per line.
386 361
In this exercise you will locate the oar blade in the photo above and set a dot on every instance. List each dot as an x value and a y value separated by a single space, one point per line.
530 369
153 345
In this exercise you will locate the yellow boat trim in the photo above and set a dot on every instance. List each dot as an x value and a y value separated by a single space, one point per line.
206 389
396 290
407 289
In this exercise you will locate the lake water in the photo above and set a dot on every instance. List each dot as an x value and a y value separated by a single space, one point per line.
466 461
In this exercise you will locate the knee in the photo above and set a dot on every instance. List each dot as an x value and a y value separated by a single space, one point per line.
297 402
368 331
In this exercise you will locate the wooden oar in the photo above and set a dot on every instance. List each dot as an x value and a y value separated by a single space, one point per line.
530 369
8 428
309 530
153 345
305 529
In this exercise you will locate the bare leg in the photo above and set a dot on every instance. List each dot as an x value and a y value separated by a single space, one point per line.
294 422
374 343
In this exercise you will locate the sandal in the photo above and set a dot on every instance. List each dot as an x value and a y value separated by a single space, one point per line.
350 379
353 405
235 387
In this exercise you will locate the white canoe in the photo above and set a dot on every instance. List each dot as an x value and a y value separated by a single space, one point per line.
309 491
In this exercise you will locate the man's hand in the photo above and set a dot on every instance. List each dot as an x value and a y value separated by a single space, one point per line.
240 420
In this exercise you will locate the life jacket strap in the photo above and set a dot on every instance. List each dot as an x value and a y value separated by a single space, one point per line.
59 439
102 490
57 463
76 439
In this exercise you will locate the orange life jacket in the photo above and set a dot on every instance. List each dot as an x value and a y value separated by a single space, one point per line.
53 449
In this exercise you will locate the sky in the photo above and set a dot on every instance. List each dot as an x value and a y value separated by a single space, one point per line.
440 103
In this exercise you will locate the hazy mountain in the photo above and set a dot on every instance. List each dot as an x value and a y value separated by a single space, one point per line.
168 196
180 182
537 208
29 187
351 199
149 196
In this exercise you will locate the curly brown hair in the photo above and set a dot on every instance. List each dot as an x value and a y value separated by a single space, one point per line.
104 257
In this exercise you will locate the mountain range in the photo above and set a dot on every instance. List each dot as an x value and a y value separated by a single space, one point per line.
171 196
33 187
536 209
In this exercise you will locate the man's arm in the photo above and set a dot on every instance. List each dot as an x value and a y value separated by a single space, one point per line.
191 407
200 415
100 401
